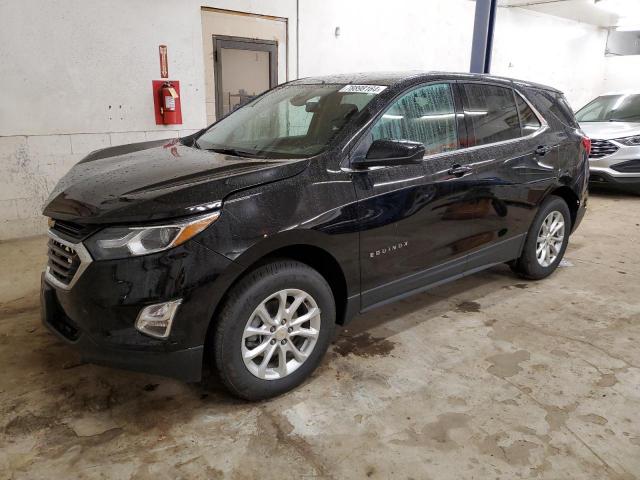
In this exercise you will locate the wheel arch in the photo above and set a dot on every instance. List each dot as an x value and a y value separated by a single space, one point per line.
572 200
312 254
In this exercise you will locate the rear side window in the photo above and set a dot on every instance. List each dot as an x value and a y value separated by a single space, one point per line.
555 103
528 119
426 115
562 110
491 114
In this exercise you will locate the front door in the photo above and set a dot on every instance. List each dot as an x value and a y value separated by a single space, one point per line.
414 230
244 68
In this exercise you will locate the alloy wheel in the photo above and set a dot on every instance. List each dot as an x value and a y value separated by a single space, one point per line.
280 334
550 238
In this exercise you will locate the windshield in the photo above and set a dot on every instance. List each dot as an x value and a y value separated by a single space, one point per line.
611 108
292 121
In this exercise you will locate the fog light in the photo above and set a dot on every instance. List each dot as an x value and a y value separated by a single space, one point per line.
156 320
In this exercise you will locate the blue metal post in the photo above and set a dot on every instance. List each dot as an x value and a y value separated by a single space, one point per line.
483 36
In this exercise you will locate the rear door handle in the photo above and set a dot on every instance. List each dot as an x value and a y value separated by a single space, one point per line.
458 170
542 150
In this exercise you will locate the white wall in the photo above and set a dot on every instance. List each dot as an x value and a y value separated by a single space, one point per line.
436 35
76 77
388 35
551 50
85 66
622 74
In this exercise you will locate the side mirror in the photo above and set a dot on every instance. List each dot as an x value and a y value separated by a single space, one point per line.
385 153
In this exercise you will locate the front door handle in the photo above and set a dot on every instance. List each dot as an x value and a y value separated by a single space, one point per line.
542 150
458 170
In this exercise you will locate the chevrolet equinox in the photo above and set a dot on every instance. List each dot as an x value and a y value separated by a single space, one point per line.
243 245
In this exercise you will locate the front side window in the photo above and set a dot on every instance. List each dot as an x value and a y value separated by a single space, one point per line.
292 121
425 115
491 114
611 108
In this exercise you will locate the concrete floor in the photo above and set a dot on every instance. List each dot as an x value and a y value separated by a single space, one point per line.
489 377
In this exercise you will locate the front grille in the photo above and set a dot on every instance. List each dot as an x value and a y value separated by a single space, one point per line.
71 230
63 261
602 148
632 166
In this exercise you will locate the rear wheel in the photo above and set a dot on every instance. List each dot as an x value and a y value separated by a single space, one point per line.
546 241
273 330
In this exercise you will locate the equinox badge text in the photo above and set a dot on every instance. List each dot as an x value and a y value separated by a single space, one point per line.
391 248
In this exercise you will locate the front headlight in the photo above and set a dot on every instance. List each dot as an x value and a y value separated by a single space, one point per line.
121 242
633 141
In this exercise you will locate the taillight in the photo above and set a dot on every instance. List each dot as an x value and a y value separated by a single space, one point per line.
586 143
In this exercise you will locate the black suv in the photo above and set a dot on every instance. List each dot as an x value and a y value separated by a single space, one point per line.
243 245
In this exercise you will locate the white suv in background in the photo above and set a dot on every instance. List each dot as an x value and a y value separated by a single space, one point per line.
612 121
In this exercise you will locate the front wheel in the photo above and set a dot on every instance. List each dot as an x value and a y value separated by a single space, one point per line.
274 328
546 241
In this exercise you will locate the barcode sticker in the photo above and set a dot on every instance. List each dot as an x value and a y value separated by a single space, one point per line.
373 89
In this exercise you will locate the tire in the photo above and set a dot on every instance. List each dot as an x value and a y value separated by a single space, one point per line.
529 265
252 378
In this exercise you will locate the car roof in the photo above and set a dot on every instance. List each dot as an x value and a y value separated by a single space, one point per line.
392 78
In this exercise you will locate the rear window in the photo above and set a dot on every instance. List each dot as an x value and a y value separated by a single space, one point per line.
491 114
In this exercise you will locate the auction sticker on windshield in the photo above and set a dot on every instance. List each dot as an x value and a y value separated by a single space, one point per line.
375 89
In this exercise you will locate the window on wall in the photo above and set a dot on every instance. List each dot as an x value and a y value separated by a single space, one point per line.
528 119
425 115
491 114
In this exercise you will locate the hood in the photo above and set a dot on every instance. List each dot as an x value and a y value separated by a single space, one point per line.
156 180
610 130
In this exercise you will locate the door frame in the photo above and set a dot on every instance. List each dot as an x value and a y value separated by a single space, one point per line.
241 43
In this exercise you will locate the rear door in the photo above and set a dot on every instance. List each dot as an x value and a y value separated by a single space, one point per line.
514 161
413 227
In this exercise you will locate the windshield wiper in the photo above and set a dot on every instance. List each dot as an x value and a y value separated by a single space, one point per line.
234 152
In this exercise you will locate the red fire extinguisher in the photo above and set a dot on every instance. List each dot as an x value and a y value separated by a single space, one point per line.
168 96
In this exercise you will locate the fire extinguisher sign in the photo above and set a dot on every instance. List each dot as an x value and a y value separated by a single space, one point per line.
164 61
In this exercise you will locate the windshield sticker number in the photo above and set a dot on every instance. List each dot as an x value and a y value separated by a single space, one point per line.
373 89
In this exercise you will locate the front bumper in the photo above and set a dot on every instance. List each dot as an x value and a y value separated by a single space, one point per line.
620 169
606 177
185 364
97 316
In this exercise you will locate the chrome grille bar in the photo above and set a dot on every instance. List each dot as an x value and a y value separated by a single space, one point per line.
602 148
66 262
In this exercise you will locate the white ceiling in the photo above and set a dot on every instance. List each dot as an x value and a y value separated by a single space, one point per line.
603 13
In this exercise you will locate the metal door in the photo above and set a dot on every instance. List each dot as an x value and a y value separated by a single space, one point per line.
243 69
